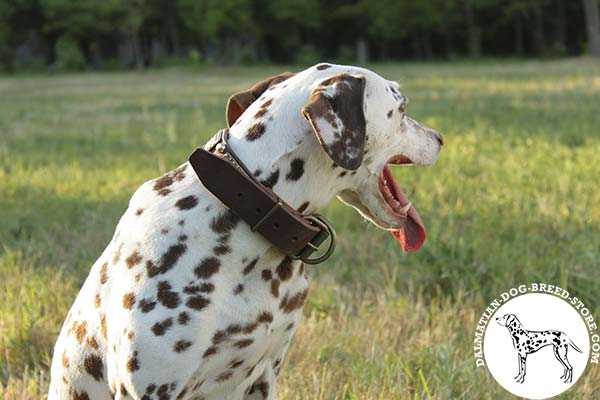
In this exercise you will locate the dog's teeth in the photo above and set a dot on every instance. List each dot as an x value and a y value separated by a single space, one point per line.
405 208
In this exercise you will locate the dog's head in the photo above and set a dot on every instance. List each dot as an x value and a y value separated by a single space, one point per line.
355 119
507 320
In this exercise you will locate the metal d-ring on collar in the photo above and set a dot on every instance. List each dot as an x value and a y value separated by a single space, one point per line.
219 144
312 246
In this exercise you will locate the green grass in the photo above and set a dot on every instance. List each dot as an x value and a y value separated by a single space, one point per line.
514 198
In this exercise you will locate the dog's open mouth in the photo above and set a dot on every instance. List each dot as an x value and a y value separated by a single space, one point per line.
413 235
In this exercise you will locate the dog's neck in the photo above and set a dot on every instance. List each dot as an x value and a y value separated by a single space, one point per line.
291 162
512 329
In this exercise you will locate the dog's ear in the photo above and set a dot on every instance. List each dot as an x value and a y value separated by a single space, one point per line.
335 112
238 102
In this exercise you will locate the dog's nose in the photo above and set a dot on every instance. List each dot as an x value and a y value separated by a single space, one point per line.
439 137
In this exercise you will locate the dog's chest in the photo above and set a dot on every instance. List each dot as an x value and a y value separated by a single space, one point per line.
193 281
253 326
244 350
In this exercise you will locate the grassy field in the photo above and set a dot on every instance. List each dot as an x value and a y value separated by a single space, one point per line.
514 198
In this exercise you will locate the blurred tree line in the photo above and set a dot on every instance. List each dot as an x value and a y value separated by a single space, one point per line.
76 34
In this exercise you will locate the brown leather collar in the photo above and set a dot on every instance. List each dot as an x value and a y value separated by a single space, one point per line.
228 179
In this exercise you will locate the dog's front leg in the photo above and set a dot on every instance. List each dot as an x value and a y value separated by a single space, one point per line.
516 378
522 366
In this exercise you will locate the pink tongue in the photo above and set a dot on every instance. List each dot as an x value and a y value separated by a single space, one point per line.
413 235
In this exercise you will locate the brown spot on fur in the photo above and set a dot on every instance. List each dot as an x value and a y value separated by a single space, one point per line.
182 394
275 287
166 296
223 239
212 350
117 256
342 174
167 261
285 269
224 376
260 113
104 273
181 346
133 363
97 300
197 303
160 328
289 304
92 342
128 300
265 317
271 180
80 330
224 222
321 67
221 249
235 364
75 395
146 305
133 259
204 288
303 207
163 392
390 113
65 360
93 365
248 268
103 326
234 329
238 289
187 202
139 211
219 337
183 318
255 131
123 390
266 274
240 344
296 170
207 267
164 231
162 184
267 103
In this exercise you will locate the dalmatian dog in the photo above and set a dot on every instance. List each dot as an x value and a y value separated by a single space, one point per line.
186 302
528 342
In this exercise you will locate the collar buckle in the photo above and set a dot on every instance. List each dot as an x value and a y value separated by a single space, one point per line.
327 231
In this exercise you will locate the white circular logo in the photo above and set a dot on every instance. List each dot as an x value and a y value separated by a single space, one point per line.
536 345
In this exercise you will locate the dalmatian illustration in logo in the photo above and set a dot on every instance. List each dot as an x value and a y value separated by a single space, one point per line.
528 342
